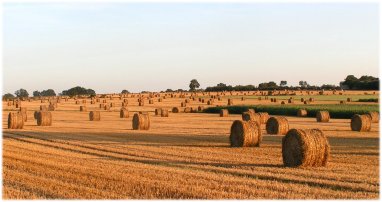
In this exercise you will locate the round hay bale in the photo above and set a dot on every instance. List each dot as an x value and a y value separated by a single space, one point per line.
95 116
302 100
210 102
311 99
141 103
245 134
187 100
164 113
264 116
158 111
151 101
35 114
15 120
290 101
23 112
83 109
224 113
183 104
141 121
188 110
200 108
302 113
360 123
342 102
283 102
305 148
242 98
277 125
230 102
175 110
124 113
101 106
107 107
77 102
306 102
322 116
44 118
374 116
249 116
160 99
251 110
348 99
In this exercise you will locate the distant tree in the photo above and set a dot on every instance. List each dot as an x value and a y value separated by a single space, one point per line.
22 93
169 90
194 84
49 92
125 91
8 96
283 83
36 93
303 84
78 91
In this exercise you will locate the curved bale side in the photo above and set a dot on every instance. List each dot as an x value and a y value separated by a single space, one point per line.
245 134
175 110
374 116
302 113
44 118
124 113
277 125
15 120
264 116
249 116
322 116
230 102
94 116
164 113
83 109
305 148
158 111
141 121
188 110
252 111
224 113
361 123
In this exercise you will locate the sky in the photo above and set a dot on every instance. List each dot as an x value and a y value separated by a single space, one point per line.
109 47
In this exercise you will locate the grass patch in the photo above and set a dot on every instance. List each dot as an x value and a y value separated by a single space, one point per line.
335 110
368 100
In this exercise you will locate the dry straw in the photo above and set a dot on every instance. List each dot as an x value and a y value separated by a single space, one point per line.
94 116
360 123
124 113
302 113
83 108
141 121
175 110
15 120
305 148
44 118
158 111
224 113
374 116
23 112
164 113
322 116
277 125
249 116
264 116
245 134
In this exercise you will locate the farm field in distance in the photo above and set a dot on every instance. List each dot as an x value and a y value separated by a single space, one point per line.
183 156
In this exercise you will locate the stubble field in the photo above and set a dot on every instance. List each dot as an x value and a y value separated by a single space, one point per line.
183 156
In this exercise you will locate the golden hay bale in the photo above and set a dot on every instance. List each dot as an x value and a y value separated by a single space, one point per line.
305 148
311 99
277 125
141 103
175 110
35 114
101 106
112 104
158 111
210 102
360 123
224 113
183 104
302 100
104 101
251 110
283 102
188 110
44 118
342 102
290 101
187 100
51 107
151 101
124 113
83 101
141 121
83 109
92 102
107 107
306 102
264 116
374 116
18 104
322 116
348 99
230 102
242 98
15 120
200 108
94 115
302 113
160 99
23 112
77 102
245 134
164 113
249 116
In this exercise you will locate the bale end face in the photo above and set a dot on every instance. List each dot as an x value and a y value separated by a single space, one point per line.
141 121
277 126
361 123
322 116
245 134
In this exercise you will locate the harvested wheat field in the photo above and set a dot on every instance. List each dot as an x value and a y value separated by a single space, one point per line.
182 156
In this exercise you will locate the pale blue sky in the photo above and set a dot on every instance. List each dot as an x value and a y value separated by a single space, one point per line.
154 46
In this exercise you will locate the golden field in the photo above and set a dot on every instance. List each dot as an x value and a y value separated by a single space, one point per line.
183 156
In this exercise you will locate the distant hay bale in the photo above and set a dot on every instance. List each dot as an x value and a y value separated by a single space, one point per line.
290 101
311 99
107 107
83 109
277 125
112 104
158 111
210 102
374 116
200 108
249 116
342 102
348 99
302 100
175 110
164 113
160 99
92 102
23 112
141 103
224 113
35 114
44 118
242 98
18 104
94 115
15 120
245 134
283 102
141 121
251 110
264 116
101 106
305 148
183 104
302 113
77 102
124 113
151 101
104 101
83 101
230 102
306 102
187 110
187 100
360 123
322 116
51 107
259 98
